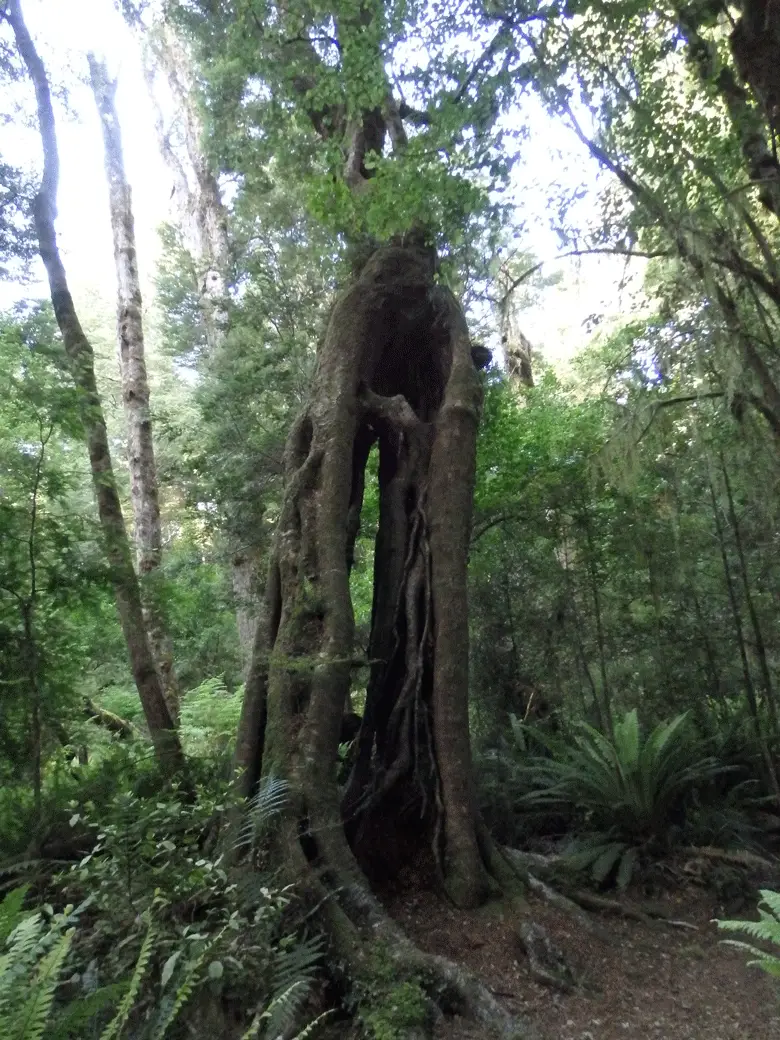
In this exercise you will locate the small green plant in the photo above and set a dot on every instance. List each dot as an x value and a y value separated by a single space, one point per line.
404 1008
766 929
389 1002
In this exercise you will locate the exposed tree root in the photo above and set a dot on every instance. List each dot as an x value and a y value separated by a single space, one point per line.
739 858
645 913
545 961
568 906
574 901
542 866
375 959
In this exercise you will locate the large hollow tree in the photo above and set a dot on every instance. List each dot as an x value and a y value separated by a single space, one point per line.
395 370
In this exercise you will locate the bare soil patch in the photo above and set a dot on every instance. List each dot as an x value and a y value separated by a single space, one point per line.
642 980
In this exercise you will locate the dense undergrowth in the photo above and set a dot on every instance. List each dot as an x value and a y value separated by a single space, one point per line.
132 917
614 805
127 920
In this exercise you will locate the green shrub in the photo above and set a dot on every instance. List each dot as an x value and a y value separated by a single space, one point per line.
234 935
37 945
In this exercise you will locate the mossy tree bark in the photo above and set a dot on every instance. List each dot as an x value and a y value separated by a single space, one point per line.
395 369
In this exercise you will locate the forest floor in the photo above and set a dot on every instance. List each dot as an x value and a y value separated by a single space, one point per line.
641 980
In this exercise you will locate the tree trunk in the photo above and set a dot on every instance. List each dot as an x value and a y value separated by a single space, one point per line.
758 635
750 124
750 691
600 641
396 369
245 567
518 351
81 358
135 385
204 222
580 655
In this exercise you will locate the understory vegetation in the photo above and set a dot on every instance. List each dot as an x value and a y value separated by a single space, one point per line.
319 581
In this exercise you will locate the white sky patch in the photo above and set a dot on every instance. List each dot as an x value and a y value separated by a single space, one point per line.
556 323
64 33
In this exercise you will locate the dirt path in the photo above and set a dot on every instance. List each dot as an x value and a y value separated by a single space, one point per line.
647 981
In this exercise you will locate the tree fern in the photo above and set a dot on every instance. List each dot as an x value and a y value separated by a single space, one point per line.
767 929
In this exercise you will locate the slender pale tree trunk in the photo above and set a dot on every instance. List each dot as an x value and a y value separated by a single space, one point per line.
135 385
600 640
81 358
204 222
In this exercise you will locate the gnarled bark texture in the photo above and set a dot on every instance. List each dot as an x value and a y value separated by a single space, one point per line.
81 359
395 370
135 384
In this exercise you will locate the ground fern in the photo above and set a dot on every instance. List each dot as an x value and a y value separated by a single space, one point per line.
766 929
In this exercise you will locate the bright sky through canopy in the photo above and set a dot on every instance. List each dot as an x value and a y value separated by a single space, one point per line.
66 31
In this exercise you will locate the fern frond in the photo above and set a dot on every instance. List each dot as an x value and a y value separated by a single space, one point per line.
254 1029
772 900
117 1023
294 972
767 930
30 1022
298 962
184 991
79 1013
271 799
283 1008
11 911
309 1031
